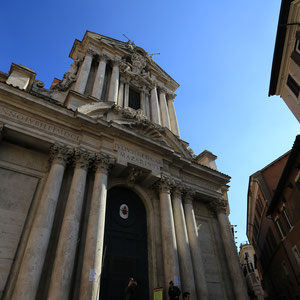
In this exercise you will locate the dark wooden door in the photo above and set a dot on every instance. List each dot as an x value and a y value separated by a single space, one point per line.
125 246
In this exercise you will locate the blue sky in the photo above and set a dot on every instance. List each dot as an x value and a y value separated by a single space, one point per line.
220 52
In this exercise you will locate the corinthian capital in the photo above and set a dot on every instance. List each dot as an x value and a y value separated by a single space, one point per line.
116 61
103 162
189 195
171 96
218 205
91 52
166 183
82 159
60 154
103 57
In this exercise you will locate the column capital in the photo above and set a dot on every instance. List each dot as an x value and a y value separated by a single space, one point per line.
91 52
60 154
82 159
218 205
103 162
166 183
189 195
162 90
116 61
171 97
103 57
178 189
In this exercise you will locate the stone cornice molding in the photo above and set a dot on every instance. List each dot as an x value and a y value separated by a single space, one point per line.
103 162
82 159
60 154
218 205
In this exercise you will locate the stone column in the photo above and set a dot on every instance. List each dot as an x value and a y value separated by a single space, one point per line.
36 248
143 100
172 115
155 113
68 237
165 120
184 253
147 104
121 93
1 130
84 72
126 93
200 281
114 82
219 206
170 255
92 259
99 79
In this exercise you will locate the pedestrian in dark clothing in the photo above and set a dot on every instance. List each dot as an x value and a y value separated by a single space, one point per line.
173 292
186 296
130 289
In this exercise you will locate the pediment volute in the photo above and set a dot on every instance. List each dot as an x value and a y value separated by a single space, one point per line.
136 121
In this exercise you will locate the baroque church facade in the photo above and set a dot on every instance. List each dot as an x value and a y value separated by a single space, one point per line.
96 185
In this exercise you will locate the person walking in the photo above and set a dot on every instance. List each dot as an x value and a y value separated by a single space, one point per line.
186 296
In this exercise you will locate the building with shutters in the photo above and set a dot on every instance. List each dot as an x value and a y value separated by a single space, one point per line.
96 185
273 224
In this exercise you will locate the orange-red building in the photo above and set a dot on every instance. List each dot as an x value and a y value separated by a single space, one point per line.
273 224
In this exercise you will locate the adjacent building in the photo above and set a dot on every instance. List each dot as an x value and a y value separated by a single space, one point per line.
285 75
96 185
273 224
248 262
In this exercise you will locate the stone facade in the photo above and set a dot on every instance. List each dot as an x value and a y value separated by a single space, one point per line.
108 127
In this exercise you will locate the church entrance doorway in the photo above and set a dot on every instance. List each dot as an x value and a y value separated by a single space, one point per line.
125 253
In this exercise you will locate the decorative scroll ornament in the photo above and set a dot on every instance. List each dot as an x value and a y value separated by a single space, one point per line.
38 84
124 211
135 174
60 154
70 76
140 122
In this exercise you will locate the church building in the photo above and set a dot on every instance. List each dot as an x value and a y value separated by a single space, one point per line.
96 185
